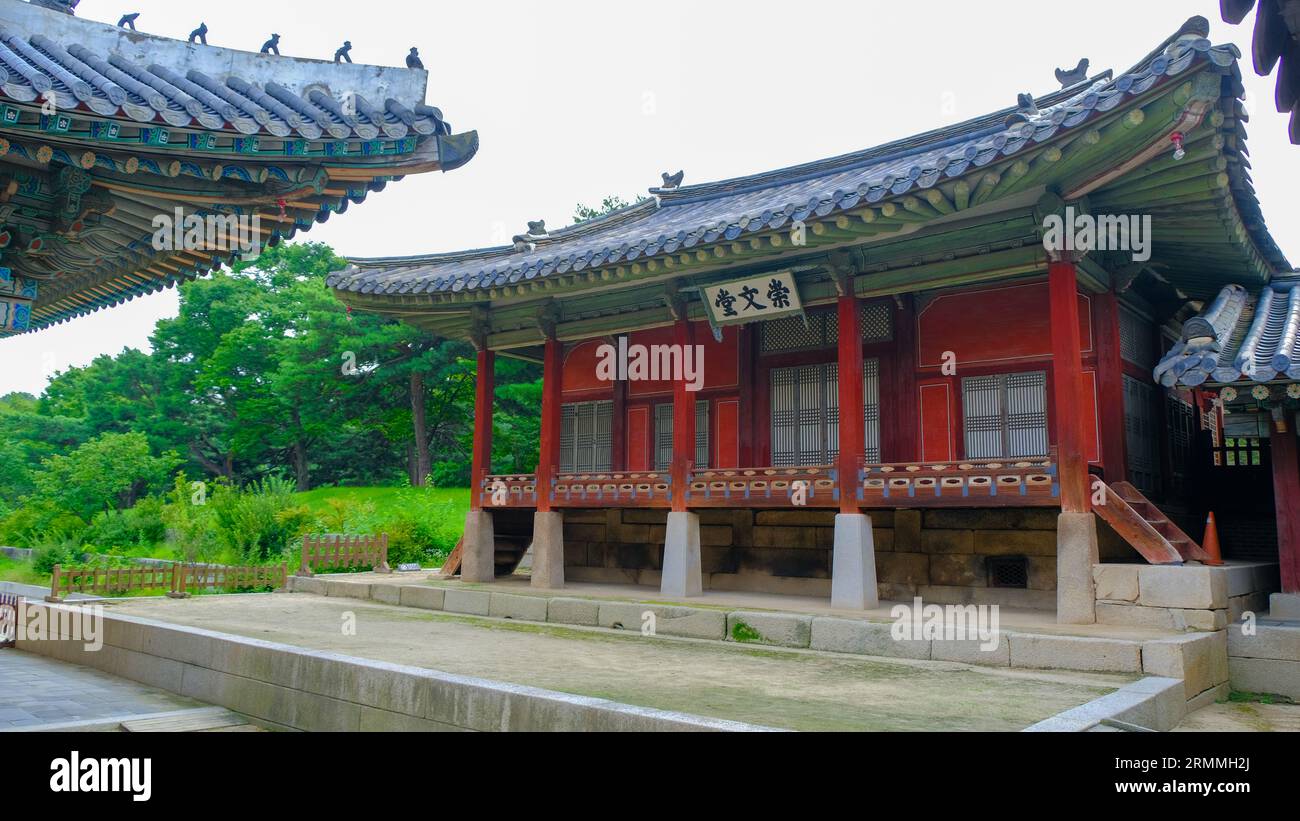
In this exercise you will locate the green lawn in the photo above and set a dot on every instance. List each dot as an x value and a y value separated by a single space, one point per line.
388 501
423 525
12 570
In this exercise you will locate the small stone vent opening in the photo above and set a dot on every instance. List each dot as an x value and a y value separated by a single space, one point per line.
1008 571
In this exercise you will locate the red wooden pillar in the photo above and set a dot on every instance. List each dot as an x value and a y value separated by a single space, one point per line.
683 418
852 423
481 459
1286 492
904 407
1067 385
548 460
618 426
745 421
1110 388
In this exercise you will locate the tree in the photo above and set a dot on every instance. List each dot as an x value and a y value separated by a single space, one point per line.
110 471
610 204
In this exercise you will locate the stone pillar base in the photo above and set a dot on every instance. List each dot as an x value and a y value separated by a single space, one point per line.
682 575
548 550
1076 553
853 564
478 553
1284 606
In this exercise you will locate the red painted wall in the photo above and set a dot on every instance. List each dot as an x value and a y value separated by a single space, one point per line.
991 326
998 329
938 415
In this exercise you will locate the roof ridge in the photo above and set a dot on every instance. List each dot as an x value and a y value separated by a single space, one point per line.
616 217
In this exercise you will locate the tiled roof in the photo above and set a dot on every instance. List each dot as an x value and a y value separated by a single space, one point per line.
143 125
86 67
1240 337
683 218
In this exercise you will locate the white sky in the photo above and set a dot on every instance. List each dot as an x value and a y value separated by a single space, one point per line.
577 100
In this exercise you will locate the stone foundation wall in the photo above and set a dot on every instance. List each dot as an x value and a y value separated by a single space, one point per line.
940 555
1190 597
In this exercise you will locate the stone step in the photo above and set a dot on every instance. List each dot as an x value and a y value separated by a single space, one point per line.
1266 662
1281 642
188 721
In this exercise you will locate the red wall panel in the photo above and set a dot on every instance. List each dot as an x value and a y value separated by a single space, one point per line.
1091 418
728 429
938 427
992 325
578 374
638 438
721 359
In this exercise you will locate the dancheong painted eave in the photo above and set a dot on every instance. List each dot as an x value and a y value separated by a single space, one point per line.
142 125
1103 142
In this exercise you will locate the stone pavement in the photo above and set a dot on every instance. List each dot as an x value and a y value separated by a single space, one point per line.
35 690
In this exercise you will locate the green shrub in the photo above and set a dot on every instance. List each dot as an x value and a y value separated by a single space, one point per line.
45 556
37 522
189 521
139 526
259 522
449 474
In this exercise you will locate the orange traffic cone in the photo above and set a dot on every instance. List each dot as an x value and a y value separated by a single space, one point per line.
1210 544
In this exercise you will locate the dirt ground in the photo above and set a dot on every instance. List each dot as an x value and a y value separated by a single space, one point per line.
791 689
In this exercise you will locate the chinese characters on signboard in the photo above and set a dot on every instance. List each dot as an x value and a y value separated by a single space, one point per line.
756 298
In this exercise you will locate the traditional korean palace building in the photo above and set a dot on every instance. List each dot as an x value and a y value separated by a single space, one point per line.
904 390
103 130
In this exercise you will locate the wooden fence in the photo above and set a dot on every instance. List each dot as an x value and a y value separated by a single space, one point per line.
336 552
108 581
176 580
197 577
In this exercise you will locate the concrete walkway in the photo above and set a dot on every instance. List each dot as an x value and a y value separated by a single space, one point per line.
38 691
792 689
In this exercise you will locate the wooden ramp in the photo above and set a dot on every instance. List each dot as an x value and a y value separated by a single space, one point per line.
1144 526
203 719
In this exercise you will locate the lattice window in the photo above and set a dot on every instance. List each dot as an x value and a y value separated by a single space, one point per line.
1140 435
1005 415
664 435
586 437
1242 451
1008 571
823 329
806 414
791 334
877 321
1180 421
871 405
1137 341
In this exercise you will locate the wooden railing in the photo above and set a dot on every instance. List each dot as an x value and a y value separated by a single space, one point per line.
814 486
110 581
193 578
630 489
641 489
343 553
176 580
515 490
983 483
1027 482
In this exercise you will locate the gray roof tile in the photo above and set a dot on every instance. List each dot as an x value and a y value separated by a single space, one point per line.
1239 337
111 85
688 216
